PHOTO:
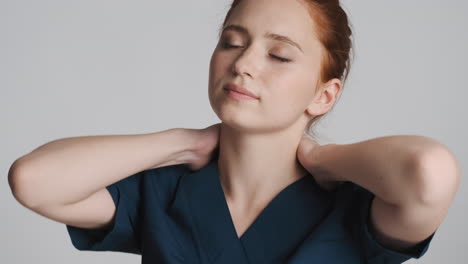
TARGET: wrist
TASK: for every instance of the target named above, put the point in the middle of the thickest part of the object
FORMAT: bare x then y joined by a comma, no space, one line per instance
176,143
187,144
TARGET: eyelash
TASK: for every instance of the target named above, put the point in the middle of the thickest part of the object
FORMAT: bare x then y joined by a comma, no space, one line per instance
229,46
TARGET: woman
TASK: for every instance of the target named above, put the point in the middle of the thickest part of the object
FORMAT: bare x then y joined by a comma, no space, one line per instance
255,188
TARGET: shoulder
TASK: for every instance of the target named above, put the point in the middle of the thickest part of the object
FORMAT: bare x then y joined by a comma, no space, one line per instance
166,176
164,181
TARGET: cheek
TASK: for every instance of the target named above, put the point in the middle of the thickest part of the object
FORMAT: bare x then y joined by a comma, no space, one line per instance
217,77
214,71
287,100
288,105
219,64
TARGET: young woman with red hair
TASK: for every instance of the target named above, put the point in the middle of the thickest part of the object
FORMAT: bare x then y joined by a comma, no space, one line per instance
254,188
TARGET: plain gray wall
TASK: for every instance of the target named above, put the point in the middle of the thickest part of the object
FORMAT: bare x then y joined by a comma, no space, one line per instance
78,68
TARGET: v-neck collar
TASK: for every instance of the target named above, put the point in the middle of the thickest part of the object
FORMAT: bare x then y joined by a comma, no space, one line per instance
277,230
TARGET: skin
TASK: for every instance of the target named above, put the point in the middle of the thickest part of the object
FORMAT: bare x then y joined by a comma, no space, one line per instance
414,178
257,133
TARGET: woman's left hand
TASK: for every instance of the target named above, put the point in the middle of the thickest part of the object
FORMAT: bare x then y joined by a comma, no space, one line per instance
308,152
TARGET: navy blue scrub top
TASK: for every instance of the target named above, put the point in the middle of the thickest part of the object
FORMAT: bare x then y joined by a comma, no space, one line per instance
174,215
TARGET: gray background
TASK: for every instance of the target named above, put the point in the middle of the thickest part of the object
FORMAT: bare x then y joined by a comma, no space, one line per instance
78,68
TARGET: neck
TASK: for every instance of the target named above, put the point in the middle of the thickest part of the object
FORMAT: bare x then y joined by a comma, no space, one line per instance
256,166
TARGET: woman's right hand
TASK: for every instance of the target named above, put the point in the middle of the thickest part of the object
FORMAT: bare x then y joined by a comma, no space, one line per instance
206,143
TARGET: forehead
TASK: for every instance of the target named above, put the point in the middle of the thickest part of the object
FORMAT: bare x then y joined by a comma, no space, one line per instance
284,17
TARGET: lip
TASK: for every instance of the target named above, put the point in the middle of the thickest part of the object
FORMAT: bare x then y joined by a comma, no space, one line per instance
240,89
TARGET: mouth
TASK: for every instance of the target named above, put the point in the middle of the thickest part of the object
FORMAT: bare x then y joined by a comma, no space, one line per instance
239,92
238,96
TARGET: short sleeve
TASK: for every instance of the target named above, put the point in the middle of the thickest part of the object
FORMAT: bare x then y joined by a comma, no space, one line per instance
376,253
122,235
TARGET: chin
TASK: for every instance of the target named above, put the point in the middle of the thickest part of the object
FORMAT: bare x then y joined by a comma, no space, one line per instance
241,122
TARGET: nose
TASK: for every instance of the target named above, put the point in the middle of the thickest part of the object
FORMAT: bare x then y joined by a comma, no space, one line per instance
245,63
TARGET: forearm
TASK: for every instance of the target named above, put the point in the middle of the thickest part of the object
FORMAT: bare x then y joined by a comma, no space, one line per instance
387,166
68,170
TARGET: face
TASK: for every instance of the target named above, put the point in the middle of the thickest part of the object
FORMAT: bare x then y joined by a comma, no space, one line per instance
270,48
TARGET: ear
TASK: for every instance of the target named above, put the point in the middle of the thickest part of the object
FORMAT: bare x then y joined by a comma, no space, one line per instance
325,97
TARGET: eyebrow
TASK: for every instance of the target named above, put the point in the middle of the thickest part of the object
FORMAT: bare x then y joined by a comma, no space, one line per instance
268,35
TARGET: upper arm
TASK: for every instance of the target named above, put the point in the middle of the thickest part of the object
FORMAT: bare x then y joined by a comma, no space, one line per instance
112,217
405,225
378,229
96,211
402,227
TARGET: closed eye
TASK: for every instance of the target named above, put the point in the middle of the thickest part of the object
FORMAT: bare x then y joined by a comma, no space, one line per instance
280,59
229,46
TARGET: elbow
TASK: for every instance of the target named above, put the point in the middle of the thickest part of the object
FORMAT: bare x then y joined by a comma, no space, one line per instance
439,175
20,186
